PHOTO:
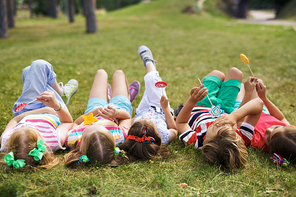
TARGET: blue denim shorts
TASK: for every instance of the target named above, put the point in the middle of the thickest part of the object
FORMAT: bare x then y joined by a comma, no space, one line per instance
119,102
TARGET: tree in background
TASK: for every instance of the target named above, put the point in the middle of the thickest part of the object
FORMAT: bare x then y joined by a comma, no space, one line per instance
52,8
115,4
242,11
3,19
10,8
71,10
279,5
89,11
30,4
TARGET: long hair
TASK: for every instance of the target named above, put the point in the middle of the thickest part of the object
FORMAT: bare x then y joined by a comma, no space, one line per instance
144,151
22,141
98,148
226,148
284,144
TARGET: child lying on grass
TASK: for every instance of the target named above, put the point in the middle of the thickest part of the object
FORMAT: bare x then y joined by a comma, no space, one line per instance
30,137
220,143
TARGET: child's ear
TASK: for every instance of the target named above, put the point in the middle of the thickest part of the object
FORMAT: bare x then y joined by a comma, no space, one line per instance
118,160
114,163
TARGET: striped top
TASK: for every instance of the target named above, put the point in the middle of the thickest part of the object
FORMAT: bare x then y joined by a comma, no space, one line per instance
45,124
200,120
119,132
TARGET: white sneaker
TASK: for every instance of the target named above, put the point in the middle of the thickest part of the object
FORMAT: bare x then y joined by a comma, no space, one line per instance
146,55
69,90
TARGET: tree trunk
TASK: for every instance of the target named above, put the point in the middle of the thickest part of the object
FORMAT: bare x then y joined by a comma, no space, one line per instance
31,8
52,8
15,8
71,10
279,5
82,6
3,19
118,4
10,13
91,23
242,9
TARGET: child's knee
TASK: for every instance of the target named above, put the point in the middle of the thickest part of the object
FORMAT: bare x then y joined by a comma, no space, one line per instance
235,73
218,74
118,73
39,63
101,72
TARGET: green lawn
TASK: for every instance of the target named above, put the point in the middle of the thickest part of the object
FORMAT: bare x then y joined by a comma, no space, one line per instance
186,47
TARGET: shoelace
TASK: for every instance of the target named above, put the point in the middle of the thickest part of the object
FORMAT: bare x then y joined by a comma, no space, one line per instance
65,92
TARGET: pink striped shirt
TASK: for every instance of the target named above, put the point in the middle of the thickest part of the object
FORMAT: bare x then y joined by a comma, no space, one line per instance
45,124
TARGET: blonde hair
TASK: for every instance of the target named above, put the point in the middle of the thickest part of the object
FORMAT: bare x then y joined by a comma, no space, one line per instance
144,151
98,148
226,148
22,141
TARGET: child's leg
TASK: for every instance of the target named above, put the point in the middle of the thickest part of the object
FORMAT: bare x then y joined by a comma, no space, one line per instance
213,83
119,84
37,78
119,95
98,95
57,88
99,87
152,94
230,89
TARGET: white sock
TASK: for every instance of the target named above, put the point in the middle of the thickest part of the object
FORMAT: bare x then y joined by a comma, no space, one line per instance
147,62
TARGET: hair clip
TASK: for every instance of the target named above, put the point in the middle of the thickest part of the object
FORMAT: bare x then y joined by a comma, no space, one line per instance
278,159
143,139
83,159
38,153
17,164
117,151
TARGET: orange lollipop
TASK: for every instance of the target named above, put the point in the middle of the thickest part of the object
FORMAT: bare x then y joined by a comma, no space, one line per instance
246,61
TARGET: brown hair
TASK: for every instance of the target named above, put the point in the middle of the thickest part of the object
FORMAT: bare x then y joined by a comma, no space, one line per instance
22,141
98,148
144,151
226,148
284,144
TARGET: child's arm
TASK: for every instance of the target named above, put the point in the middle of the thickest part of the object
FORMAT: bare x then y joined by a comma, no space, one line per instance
112,112
249,86
127,123
273,110
48,98
171,124
164,102
252,110
196,94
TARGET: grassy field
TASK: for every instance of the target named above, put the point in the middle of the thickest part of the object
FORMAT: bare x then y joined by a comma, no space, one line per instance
186,47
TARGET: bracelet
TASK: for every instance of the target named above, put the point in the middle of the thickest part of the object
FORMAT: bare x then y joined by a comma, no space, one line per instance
59,108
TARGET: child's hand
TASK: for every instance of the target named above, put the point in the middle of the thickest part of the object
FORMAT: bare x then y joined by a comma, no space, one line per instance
108,112
261,89
250,84
164,102
226,119
49,99
198,93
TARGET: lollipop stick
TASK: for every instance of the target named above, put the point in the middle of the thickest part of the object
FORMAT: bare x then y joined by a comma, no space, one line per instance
251,70
207,95
31,101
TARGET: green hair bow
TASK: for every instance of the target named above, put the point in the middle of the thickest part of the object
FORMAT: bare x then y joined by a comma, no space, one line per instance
38,153
9,160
